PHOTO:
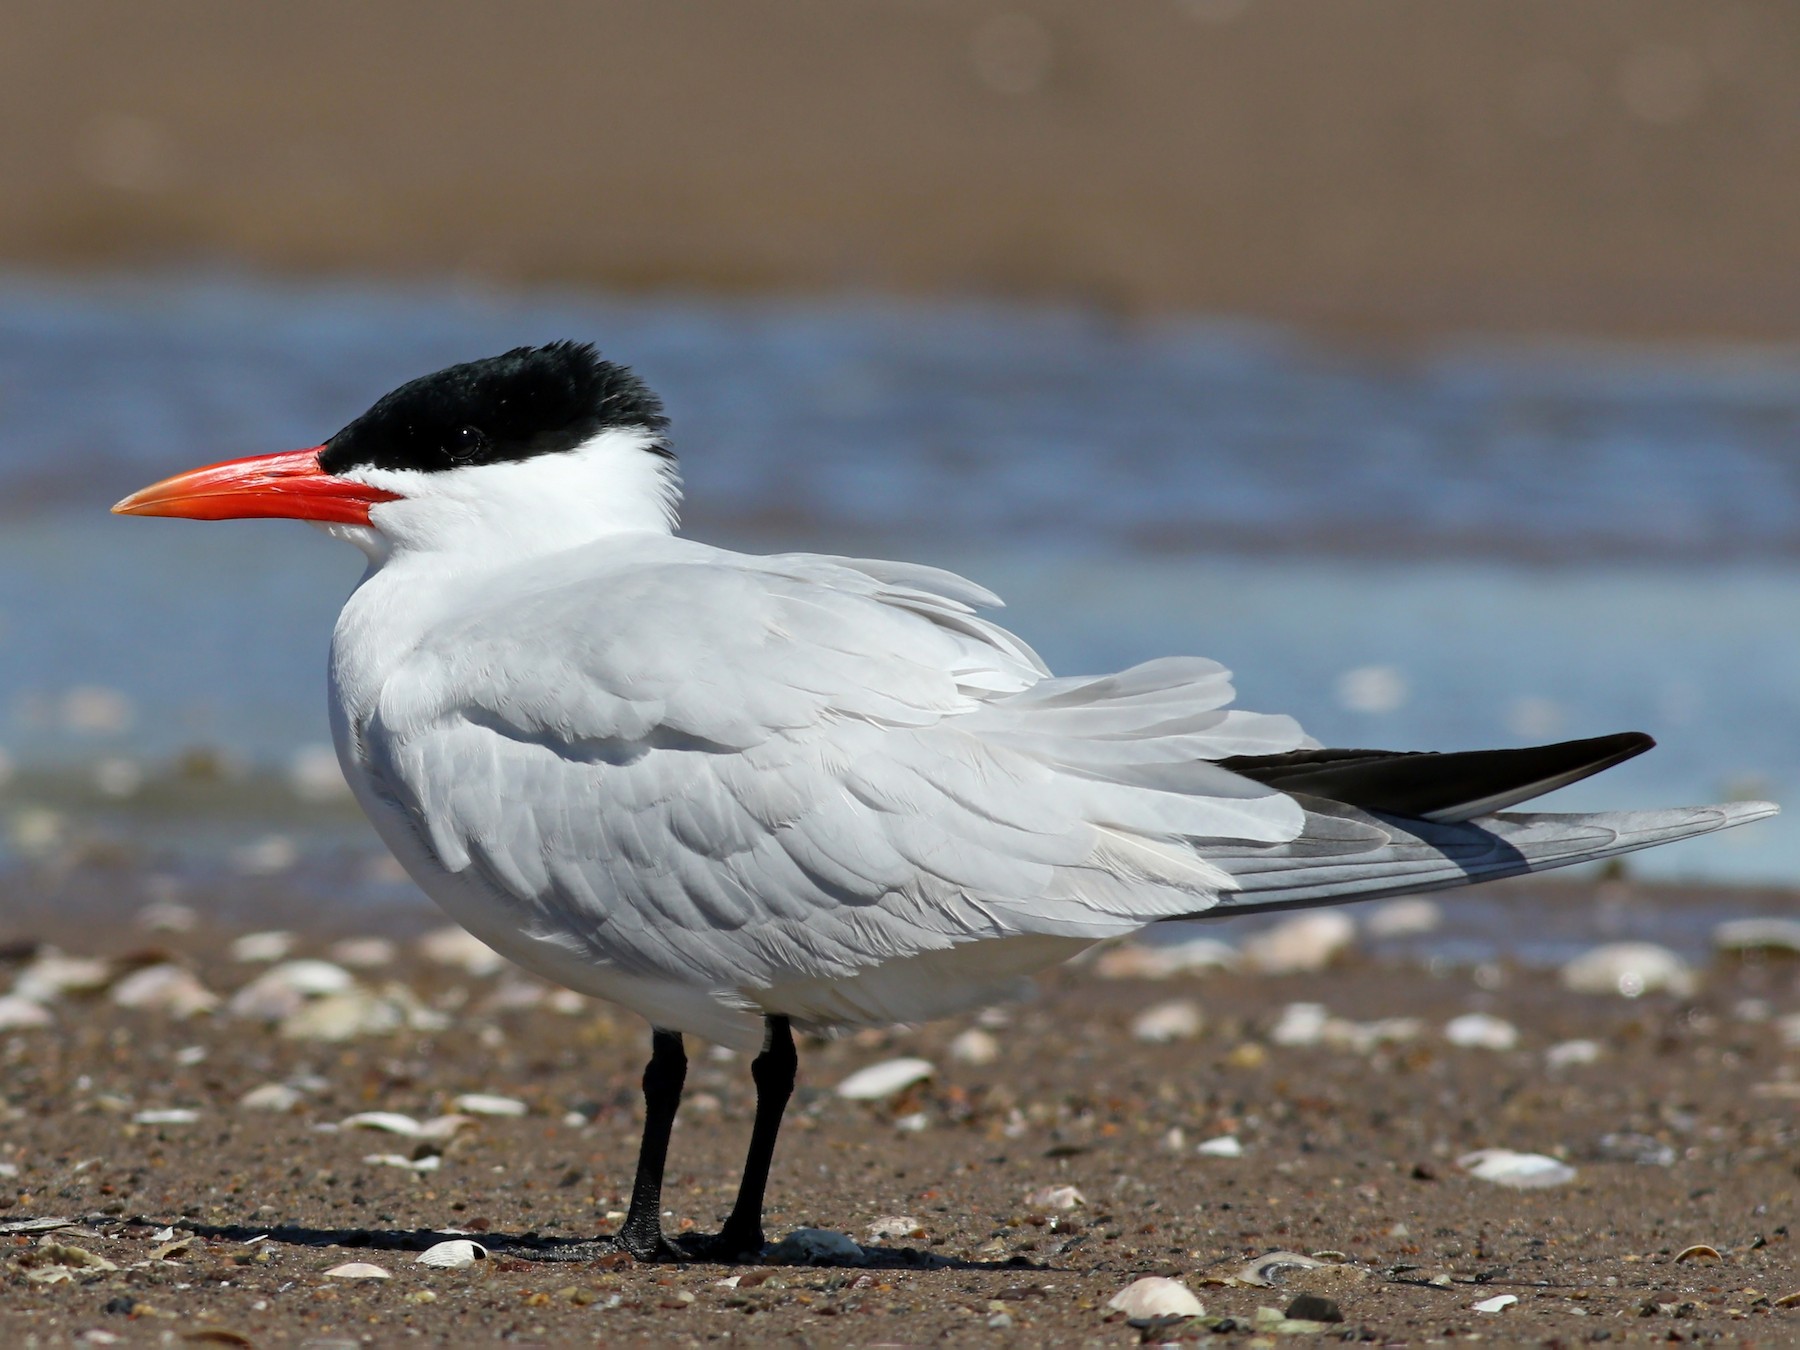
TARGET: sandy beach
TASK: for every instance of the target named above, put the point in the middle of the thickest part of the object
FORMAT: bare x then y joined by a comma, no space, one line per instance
200,1177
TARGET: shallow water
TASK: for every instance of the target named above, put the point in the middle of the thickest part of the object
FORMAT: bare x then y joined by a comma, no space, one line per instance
1481,544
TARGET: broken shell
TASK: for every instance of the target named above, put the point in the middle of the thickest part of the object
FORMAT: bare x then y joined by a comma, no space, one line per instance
485,1104
262,948
457,947
1300,1024
165,988
1272,1267
1055,1197
1155,1296
1628,969
1177,1020
1698,1252
884,1080
1300,945
1521,1171
1481,1031
896,1226
18,1014
439,1127
1495,1304
975,1046
815,1247
357,1270
175,1115
429,1163
50,1252
452,1255
1225,1146
270,1097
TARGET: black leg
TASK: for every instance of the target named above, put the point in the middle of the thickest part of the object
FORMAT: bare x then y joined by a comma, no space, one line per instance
773,1072
641,1234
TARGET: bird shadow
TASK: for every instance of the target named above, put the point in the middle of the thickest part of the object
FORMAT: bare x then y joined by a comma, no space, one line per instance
570,1250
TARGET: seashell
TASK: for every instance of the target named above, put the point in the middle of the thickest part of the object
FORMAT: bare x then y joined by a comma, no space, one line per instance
1363,1037
165,988
439,1127
1498,1303
262,948
1521,1171
458,947
357,1270
1155,1296
1272,1267
484,1104
1700,1251
1225,1146
429,1163
364,953
270,1097
53,975
884,1080
815,1247
1564,1054
281,991
1629,969
174,1115
975,1046
1302,944
19,1014
1176,1020
1300,1024
1780,936
452,1255
1404,918
1054,1197
1481,1031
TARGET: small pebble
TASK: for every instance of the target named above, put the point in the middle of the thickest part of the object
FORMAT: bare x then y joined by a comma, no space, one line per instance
52,975
1629,969
452,1255
357,1270
1300,1024
1521,1171
1225,1146
1176,1020
1054,1198
174,1115
893,1226
364,953
975,1046
1301,945
1642,1149
1156,1296
885,1079
20,1014
1314,1308
1481,1031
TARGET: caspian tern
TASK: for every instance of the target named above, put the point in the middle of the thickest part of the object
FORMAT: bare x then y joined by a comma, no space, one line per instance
740,795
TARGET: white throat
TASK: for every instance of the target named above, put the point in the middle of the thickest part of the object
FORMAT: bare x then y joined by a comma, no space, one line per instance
615,483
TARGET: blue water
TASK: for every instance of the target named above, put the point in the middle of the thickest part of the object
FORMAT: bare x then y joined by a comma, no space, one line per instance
1479,543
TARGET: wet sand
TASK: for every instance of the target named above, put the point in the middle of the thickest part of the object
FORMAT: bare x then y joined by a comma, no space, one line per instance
1682,1132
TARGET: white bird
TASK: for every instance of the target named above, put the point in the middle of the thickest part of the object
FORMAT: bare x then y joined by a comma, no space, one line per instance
742,794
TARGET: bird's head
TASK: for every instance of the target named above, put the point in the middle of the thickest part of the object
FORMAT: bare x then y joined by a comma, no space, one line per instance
538,447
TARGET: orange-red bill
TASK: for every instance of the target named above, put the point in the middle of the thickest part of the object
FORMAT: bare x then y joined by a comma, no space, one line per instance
289,485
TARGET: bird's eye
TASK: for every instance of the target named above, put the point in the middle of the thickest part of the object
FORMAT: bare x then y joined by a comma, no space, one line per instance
465,444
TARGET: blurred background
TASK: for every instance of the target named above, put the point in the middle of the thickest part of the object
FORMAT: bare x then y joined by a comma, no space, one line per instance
1437,367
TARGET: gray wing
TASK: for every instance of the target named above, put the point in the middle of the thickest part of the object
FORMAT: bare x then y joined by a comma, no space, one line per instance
741,772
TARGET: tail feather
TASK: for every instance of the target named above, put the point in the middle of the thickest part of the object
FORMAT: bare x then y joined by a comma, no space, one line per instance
1349,854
